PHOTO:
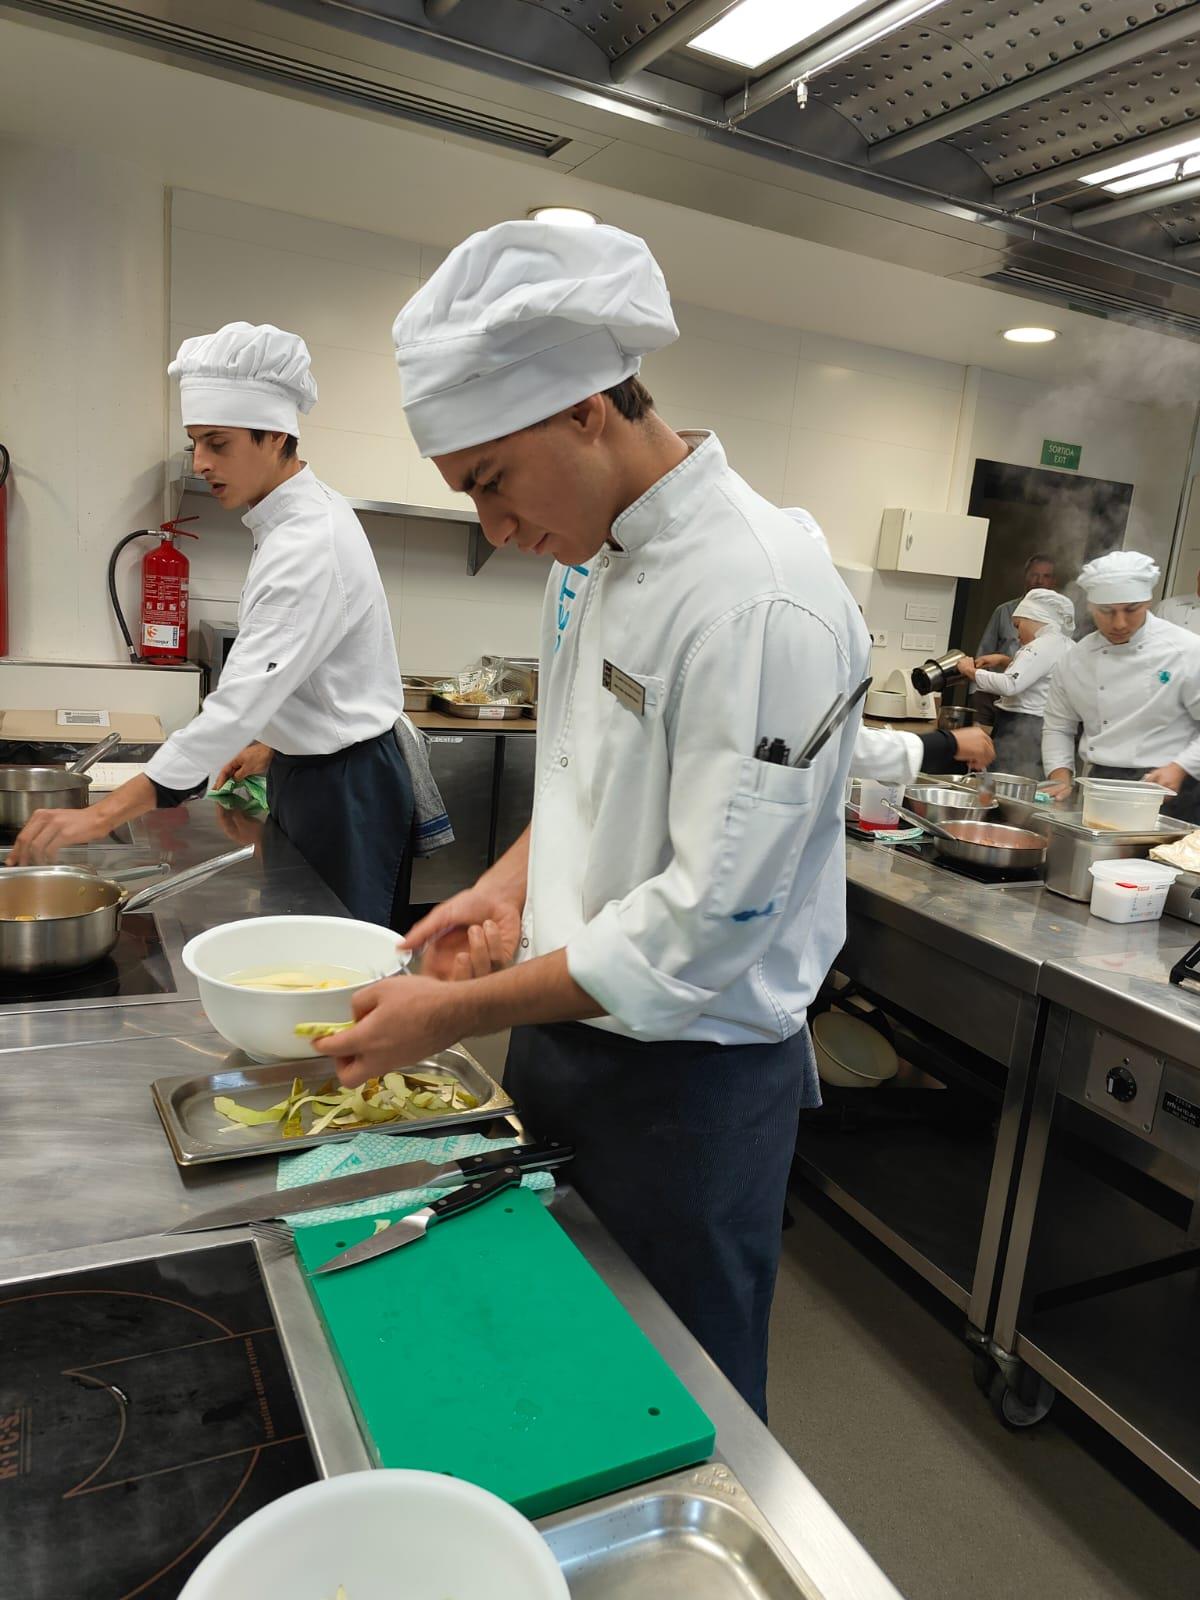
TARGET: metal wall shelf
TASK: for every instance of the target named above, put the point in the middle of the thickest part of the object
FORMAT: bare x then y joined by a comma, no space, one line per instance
478,549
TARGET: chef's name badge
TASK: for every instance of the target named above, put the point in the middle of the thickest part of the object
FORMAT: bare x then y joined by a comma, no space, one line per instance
628,691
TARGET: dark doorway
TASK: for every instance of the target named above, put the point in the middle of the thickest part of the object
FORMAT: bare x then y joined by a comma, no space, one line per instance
1034,512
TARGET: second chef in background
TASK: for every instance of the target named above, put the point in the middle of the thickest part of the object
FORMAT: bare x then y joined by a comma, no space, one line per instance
1044,622
312,685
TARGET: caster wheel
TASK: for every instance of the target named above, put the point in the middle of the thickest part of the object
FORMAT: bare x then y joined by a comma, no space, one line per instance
983,1369
1013,1409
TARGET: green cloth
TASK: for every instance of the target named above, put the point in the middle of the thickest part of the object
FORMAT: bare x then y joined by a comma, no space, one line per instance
250,794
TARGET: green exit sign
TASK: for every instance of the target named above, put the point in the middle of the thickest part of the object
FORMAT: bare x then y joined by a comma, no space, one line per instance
1057,454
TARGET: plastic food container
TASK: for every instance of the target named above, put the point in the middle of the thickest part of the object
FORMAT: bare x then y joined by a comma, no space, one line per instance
875,801
1130,891
1121,804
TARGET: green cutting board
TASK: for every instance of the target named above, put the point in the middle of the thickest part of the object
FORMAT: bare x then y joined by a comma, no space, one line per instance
491,1351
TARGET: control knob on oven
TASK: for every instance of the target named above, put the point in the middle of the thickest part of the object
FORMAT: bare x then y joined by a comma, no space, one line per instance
1121,1084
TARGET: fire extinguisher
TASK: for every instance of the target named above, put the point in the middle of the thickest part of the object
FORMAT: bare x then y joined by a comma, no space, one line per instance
5,462
163,612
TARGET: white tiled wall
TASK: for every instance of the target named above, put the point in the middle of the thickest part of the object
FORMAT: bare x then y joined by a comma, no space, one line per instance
840,428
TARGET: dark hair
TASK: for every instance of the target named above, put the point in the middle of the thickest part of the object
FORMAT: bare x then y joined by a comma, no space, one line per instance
1039,560
288,449
632,399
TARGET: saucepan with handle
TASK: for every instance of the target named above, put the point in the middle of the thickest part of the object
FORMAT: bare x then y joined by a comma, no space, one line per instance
55,919
24,790
982,844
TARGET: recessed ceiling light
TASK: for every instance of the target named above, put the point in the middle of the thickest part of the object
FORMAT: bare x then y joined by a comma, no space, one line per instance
564,216
1030,335
1176,152
1143,180
757,30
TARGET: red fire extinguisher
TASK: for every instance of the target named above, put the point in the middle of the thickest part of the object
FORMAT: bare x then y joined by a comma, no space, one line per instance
4,465
165,570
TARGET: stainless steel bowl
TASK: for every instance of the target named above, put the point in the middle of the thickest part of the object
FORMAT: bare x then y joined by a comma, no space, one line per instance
934,804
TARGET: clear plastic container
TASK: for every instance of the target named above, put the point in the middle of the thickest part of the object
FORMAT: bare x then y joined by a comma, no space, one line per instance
1131,890
875,801
1120,804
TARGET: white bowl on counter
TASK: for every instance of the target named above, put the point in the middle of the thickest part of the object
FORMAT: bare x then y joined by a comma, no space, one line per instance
262,1022
378,1535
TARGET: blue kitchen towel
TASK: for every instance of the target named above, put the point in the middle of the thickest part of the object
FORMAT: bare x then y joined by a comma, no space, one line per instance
376,1150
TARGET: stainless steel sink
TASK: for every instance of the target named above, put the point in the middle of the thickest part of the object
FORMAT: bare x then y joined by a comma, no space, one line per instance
696,1534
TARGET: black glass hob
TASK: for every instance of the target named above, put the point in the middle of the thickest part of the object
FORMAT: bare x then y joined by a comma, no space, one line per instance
990,877
145,1409
137,966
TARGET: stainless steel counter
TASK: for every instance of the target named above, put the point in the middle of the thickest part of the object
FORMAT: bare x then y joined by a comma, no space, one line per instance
91,1181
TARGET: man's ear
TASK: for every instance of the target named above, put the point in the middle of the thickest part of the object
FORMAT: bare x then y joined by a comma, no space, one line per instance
590,416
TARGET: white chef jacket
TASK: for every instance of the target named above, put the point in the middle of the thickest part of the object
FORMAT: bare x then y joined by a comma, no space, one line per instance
887,755
313,668
1183,610
699,892
1025,685
1138,703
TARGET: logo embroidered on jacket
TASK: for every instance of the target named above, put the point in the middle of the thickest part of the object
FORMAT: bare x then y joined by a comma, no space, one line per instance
1164,676
749,916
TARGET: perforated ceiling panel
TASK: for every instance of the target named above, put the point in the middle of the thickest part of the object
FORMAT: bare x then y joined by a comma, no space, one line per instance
962,50
612,24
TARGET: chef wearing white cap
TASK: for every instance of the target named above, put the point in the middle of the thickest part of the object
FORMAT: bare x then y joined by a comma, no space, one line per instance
679,898
1132,687
311,690
1044,622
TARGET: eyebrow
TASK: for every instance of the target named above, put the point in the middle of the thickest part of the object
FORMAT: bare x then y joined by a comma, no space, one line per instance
481,470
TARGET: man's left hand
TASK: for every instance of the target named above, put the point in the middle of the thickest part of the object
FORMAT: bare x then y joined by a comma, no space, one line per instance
399,1022
1172,776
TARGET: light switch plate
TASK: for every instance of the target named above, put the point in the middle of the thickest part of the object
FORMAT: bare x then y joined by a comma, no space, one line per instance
919,641
916,611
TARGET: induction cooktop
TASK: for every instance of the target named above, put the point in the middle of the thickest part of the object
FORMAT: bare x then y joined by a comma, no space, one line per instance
136,967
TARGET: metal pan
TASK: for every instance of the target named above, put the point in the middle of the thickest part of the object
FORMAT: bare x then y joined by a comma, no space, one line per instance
470,711
24,790
983,844
55,919
933,803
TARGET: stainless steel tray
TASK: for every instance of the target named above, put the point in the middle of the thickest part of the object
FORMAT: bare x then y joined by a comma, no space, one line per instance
197,1133
696,1535
479,713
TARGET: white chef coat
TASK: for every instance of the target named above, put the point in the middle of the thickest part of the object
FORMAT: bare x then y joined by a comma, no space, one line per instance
699,892
887,755
1183,610
313,668
1025,684
1138,703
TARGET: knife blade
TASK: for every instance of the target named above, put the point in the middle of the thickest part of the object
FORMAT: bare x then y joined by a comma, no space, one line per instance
413,1227
268,1203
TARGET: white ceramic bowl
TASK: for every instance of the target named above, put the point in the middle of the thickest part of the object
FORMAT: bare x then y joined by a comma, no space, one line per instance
262,1022
381,1534
850,1053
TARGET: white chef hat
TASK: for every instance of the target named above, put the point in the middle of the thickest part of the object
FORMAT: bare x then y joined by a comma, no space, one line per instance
806,520
1049,607
244,377
522,321
1123,577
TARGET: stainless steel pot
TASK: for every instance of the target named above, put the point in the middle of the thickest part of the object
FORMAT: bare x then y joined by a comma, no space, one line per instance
54,919
24,790
982,844
947,804
950,718
938,673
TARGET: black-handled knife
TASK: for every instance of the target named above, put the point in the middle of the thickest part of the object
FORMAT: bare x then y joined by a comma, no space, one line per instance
413,1227
374,1181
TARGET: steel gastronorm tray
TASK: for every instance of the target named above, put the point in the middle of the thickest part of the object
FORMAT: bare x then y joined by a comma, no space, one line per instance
697,1535
198,1133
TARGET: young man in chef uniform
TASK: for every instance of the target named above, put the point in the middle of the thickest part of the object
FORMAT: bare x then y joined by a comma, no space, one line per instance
313,672
1133,687
677,900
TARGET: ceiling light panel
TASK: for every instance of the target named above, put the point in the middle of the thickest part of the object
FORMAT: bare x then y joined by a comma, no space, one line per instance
759,30
1142,164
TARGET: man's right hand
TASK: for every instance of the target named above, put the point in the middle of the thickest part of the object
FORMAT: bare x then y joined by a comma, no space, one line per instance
468,936
252,760
1059,784
974,746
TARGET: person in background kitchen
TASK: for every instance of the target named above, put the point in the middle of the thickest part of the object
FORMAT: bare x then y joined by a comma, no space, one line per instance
1045,624
311,691
999,637
681,892
1132,687
889,754
1183,609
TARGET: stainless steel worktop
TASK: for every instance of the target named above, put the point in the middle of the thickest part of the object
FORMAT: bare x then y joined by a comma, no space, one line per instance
86,1177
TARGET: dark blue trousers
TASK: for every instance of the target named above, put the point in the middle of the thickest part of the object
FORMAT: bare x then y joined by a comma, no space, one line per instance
682,1151
350,816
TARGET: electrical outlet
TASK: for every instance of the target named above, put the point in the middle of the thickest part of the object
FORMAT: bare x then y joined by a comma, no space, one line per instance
915,611
919,641
879,638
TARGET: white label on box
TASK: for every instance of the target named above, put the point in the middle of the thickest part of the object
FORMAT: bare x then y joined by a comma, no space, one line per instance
165,635
82,719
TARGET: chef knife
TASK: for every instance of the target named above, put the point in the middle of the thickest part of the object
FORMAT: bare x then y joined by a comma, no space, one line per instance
412,1227
374,1181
